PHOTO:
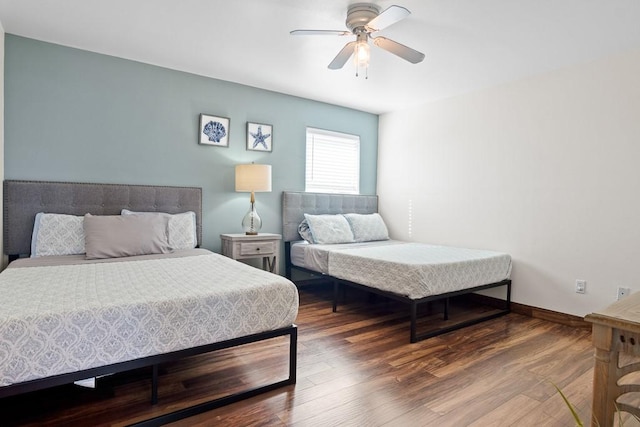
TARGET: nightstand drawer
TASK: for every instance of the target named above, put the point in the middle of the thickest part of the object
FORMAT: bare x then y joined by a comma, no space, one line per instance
257,248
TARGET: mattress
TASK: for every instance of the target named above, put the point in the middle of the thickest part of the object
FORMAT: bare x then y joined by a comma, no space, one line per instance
316,257
413,270
75,315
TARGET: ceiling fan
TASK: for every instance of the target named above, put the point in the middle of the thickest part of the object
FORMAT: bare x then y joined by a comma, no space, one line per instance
364,19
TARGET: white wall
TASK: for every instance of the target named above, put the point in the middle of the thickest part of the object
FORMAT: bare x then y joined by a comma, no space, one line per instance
545,169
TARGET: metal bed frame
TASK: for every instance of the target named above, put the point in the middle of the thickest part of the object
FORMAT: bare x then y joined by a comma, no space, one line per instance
23,199
296,204
155,361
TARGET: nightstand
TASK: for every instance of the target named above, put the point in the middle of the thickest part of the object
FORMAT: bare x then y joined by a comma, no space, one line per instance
263,245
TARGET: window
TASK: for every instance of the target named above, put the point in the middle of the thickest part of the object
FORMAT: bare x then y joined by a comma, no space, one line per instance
333,162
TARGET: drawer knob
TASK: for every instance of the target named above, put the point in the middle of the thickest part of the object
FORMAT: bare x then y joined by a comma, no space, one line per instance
258,249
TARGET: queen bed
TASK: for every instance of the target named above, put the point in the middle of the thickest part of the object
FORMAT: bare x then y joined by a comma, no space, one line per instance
341,237
137,301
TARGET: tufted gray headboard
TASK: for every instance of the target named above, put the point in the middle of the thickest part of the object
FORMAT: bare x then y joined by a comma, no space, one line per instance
24,199
296,204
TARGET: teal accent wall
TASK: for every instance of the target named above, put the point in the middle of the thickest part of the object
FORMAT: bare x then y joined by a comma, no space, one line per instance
73,115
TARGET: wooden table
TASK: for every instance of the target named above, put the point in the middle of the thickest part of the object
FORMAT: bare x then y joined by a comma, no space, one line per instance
616,332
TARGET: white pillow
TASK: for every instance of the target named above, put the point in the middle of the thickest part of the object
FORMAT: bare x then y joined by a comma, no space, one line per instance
367,227
57,234
182,228
329,229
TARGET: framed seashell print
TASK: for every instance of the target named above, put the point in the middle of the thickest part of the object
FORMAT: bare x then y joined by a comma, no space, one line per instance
214,130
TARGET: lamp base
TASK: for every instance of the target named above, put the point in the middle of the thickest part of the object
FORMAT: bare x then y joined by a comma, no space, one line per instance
251,223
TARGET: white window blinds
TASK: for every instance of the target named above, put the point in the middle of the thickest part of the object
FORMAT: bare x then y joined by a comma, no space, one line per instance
333,162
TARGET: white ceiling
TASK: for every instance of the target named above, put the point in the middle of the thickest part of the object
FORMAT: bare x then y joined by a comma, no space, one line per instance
469,44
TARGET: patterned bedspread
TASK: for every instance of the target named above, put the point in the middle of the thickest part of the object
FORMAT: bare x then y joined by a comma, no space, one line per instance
65,318
418,270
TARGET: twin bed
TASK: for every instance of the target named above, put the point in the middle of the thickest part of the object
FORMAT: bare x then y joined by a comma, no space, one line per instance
360,254
65,318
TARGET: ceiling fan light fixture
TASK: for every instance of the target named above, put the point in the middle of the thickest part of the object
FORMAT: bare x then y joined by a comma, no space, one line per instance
362,53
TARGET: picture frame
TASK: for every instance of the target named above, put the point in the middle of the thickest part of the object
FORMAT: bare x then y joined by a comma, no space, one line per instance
259,137
214,130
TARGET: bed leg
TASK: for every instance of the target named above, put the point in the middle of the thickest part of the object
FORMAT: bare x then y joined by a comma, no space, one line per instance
293,353
336,291
508,301
154,385
414,319
287,260
446,308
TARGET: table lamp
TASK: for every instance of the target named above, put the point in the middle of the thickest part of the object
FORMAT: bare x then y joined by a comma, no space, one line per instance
253,178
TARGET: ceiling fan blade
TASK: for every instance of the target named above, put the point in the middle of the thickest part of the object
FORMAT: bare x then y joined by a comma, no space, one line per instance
319,33
388,17
398,49
343,56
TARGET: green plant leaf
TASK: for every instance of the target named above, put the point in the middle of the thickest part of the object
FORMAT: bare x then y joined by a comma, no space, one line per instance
570,406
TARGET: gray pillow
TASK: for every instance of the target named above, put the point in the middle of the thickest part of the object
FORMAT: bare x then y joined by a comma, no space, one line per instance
114,236
305,231
182,228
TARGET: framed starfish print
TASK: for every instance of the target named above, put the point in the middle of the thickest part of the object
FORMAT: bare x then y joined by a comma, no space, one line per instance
259,137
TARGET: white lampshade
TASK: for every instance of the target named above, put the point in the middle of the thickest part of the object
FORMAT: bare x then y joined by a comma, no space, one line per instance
253,178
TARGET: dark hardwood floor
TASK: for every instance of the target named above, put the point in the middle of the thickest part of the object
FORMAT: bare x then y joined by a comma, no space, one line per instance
357,368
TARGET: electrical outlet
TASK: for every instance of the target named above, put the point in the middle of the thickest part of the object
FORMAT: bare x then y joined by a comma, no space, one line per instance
623,292
581,286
